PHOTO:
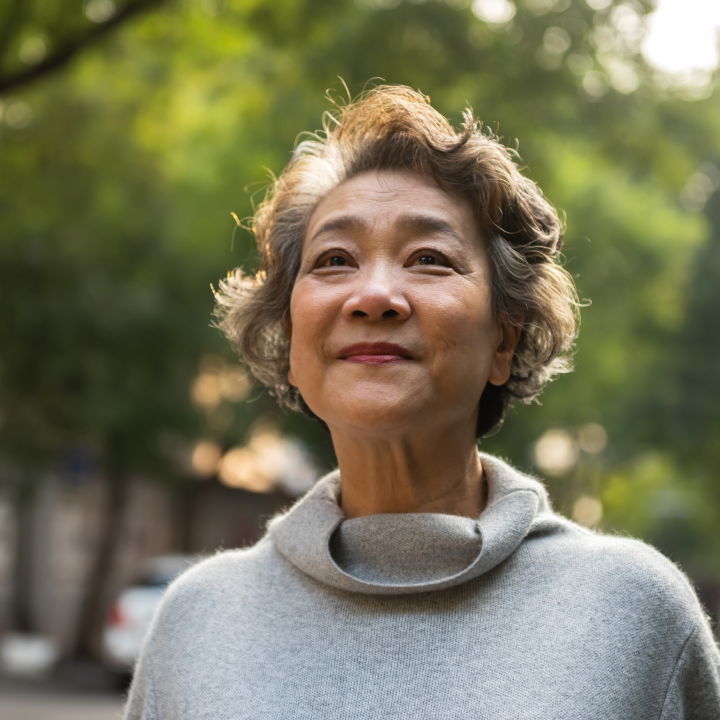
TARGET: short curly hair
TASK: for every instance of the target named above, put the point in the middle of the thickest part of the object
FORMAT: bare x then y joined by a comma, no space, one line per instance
394,127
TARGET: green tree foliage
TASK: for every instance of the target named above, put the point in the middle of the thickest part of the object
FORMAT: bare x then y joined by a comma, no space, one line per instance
118,177
38,37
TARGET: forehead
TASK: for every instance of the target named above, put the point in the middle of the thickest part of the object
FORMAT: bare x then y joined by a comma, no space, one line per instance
390,197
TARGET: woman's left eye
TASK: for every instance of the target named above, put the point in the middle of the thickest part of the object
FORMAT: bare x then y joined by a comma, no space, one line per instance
430,259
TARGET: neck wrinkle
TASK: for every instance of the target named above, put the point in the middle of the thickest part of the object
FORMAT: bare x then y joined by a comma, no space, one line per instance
409,552
414,487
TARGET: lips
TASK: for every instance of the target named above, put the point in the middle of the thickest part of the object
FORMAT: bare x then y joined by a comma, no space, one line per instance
377,353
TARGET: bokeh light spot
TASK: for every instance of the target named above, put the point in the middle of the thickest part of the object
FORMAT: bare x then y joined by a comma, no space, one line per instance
556,40
206,458
598,4
592,438
595,84
579,63
205,390
587,511
18,115
242,468
495,12
99,11
556,452
682,36
540,7
33,51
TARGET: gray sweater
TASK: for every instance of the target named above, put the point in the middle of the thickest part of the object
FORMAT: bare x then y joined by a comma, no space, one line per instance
520,614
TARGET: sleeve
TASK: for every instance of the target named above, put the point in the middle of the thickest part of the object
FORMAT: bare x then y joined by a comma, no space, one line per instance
694,691
141,703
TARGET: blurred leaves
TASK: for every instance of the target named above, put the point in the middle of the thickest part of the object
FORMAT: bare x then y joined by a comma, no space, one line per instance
38,37
118,177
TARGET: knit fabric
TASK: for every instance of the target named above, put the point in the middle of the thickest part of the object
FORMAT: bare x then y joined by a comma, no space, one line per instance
518,615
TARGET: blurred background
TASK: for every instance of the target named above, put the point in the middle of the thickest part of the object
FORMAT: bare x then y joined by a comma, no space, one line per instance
132,441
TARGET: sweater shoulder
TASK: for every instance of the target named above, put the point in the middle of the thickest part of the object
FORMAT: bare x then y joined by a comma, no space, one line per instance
221,579
626,568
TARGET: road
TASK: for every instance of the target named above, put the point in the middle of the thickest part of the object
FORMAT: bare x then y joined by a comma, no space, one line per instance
24,705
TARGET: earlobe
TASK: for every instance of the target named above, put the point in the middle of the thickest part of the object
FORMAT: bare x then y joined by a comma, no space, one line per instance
502,362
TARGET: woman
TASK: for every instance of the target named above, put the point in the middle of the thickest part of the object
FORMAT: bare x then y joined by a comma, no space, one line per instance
410,290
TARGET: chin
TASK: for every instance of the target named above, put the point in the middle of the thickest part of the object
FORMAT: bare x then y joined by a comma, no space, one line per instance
378,412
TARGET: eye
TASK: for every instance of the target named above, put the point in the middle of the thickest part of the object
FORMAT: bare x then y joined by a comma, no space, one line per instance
333,259
430,258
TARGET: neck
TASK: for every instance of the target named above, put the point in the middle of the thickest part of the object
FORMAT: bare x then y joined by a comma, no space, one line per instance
440,473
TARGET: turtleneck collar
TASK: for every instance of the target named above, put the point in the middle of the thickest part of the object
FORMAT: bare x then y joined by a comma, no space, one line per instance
408,552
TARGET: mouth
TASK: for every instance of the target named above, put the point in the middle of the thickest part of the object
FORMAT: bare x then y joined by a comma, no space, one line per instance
377,353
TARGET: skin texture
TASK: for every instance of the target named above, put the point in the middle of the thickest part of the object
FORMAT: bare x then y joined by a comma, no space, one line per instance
389,257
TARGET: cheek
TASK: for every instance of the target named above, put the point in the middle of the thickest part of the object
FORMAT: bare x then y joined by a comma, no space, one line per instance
311,320
301,329
466,338
461,318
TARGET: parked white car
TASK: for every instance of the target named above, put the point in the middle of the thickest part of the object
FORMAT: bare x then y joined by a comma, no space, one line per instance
130,615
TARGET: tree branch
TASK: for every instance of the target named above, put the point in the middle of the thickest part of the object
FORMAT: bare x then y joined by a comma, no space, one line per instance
68,50
12,22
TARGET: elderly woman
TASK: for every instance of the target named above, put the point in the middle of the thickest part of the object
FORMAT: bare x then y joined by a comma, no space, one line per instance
410,290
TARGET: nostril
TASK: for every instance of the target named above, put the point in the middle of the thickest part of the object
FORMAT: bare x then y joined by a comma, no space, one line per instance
390,313
359,313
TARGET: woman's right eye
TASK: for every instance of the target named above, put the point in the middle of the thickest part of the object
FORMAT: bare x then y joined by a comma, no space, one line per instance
332,259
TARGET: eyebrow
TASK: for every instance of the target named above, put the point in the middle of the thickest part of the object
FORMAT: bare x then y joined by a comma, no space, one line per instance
422,224
429,225
346,222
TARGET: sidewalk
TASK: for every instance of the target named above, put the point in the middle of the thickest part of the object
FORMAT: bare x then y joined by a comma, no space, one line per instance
57,699
18,705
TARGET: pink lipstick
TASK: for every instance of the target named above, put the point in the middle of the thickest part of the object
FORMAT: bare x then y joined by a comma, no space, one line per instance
377,353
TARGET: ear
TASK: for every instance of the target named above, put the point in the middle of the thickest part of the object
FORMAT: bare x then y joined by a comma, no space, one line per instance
287,324
502,362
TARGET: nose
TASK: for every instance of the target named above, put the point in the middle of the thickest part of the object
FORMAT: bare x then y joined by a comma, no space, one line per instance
377,298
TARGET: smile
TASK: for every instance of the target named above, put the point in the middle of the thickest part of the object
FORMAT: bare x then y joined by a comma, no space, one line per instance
379,353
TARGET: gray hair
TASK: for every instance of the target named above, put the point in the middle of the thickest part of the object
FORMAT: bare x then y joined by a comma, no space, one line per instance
394,127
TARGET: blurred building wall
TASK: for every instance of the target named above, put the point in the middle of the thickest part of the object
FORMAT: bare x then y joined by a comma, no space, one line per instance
65,526
66,523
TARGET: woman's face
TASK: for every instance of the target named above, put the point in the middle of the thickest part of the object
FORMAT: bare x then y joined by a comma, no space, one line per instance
391,325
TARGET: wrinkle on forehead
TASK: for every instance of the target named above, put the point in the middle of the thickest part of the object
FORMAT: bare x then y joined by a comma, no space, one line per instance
448,216
420,224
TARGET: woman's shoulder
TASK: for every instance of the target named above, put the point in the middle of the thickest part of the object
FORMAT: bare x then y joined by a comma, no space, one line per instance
601,563
630,570
226,576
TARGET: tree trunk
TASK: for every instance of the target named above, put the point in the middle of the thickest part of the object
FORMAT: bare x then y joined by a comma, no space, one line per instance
92,613
21,616
186,500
